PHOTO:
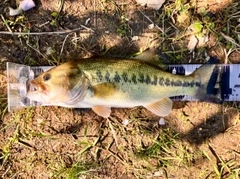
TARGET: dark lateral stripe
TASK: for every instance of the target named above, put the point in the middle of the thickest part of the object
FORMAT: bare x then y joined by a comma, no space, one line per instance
99,75
161,81
125,77
198,84
134,78
146,79
107,77
188,84
167,82
177,83
141,78
154,82
116,77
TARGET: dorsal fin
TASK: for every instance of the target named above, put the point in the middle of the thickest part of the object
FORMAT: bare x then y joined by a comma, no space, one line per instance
152,56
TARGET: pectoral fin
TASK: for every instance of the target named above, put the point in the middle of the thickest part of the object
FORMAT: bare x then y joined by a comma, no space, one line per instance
105,90
103,111
160,108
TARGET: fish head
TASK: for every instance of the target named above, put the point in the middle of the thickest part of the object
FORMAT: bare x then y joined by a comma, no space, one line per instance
59,85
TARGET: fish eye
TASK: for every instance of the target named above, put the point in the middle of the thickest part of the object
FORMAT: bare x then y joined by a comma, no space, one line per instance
46,77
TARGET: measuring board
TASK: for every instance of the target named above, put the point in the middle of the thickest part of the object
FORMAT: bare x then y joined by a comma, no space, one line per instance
18,76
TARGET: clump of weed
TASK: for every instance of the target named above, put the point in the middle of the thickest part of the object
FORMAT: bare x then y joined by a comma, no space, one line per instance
123,27
223,169
76,170
179,12
160,147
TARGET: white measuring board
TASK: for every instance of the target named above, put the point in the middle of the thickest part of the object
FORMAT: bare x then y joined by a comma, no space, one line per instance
18,76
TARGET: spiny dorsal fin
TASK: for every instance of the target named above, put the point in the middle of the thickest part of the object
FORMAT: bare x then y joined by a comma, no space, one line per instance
160,108
151,55
103,111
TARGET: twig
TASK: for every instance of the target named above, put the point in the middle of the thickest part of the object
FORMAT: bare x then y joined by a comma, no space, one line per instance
27,42
83,26
115,155
227,54
6,23
46,33
95,15
150,20
113,131
6,171
230,39
238,153
223,121
60,6
64,43
44,24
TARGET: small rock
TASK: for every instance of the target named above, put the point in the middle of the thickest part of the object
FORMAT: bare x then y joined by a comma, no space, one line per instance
125,122
174,71
151,26
23,6
162,122
87,21
26,4
192,43
155,4
134,38
158,173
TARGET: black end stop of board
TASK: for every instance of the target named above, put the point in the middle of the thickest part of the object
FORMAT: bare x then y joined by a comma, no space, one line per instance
214,87
213,60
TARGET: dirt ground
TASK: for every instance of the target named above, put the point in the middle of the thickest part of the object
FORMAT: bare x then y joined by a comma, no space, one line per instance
199,140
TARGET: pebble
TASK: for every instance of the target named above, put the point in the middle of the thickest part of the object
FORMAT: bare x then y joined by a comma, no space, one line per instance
162,122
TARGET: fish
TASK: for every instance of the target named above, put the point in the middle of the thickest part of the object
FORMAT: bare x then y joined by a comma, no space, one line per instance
102,83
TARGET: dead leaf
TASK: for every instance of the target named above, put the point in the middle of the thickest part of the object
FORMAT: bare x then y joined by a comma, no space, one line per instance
198,40
155,4
26,4
202,40
192,43
23,6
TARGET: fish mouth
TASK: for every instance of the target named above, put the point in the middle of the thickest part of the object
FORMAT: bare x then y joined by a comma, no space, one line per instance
35,92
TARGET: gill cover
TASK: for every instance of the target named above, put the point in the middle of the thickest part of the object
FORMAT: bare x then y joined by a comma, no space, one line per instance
79,90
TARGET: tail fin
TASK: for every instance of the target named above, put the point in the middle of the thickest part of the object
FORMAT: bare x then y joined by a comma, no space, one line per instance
209,76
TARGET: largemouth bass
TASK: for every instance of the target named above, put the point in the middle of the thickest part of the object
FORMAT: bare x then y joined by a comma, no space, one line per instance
102,83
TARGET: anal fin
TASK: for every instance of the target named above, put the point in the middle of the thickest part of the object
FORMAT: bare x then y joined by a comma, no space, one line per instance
103,111
160,108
